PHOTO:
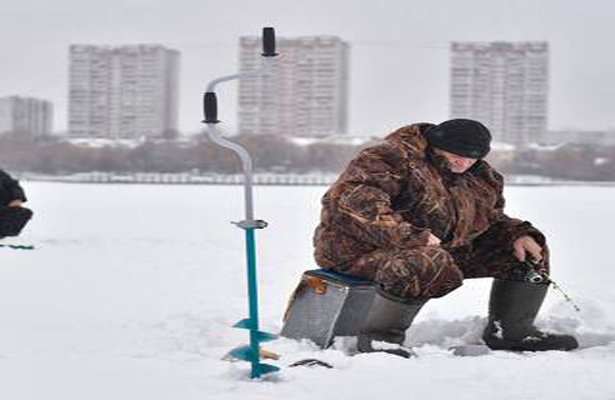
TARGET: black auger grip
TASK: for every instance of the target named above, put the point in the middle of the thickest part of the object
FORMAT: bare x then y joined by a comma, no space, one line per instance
269,43
210,108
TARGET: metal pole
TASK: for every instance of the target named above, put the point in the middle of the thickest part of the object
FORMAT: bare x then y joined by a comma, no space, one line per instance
252,352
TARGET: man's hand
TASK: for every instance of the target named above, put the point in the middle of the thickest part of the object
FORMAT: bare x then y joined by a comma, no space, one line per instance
15,203
527,244
433,240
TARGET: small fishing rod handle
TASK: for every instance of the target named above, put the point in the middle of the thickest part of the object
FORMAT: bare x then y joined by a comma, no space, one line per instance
533,275
269,42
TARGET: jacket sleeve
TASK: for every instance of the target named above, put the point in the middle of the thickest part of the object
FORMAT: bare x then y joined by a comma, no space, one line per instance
511,228
11,187
361,200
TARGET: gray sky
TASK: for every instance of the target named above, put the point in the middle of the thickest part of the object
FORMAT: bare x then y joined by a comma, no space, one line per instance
399,49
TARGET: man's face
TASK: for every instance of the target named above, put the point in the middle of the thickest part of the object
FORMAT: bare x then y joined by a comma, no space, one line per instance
457,164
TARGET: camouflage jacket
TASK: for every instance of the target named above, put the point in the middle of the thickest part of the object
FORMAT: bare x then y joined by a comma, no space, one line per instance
394,193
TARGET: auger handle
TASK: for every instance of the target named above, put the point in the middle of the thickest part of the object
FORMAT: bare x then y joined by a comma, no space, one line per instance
269,43
210,108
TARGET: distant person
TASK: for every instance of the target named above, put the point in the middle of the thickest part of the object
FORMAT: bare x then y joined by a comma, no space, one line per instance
13,216
419,212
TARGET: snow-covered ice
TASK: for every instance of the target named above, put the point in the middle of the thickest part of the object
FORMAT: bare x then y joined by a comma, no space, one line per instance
132,290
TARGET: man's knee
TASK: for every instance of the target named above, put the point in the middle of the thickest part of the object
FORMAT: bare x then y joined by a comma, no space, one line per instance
422,272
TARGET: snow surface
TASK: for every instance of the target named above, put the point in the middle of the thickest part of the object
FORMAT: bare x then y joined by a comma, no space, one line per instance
132,290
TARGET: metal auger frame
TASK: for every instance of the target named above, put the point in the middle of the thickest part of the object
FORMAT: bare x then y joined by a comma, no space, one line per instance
250,353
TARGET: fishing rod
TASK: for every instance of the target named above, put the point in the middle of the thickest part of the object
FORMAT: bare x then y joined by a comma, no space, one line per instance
536,276
17,246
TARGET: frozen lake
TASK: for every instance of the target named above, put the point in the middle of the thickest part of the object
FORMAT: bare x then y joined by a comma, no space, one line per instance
132,289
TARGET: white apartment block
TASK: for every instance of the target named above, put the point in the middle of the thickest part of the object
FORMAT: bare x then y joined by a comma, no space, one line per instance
25,116
126,91
305,93
505,85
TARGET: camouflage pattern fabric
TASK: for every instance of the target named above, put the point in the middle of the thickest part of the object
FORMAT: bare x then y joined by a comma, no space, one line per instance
376,219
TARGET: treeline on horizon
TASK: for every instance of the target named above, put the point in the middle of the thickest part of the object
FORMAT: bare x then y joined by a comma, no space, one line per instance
56,156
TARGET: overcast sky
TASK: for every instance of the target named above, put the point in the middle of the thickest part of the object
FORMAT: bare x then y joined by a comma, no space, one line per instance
399,49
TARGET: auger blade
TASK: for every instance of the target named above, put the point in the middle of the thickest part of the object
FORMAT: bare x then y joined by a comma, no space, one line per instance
262,369
265,336
244,324
261,336
244,353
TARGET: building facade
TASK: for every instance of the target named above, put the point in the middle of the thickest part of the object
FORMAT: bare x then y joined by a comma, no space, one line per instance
25,116
123,91
505,85
305,93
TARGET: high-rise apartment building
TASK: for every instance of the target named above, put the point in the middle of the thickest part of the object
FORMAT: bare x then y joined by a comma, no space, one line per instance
25,116
304,94
123,91
505,85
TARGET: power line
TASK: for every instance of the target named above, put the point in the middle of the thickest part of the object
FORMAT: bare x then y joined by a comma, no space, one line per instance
405,45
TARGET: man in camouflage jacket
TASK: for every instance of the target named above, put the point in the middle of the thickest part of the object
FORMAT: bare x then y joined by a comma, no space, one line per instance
420,211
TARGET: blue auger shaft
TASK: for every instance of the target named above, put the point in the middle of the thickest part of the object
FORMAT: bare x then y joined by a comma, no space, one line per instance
253,300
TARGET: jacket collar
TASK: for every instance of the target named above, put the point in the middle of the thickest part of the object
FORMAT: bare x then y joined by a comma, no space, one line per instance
412,139
442,165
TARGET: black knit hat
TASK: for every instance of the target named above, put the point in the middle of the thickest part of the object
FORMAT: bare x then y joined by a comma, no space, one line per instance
464,137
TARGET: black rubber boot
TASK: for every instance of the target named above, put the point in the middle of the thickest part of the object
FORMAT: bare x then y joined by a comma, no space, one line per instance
386,323
513,307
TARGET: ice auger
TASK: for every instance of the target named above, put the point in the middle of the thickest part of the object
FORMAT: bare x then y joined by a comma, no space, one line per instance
250,353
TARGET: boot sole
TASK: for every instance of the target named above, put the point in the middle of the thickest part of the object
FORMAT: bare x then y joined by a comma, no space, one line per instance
512,345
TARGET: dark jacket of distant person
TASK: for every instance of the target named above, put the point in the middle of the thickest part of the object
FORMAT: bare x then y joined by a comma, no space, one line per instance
13,217
10,189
